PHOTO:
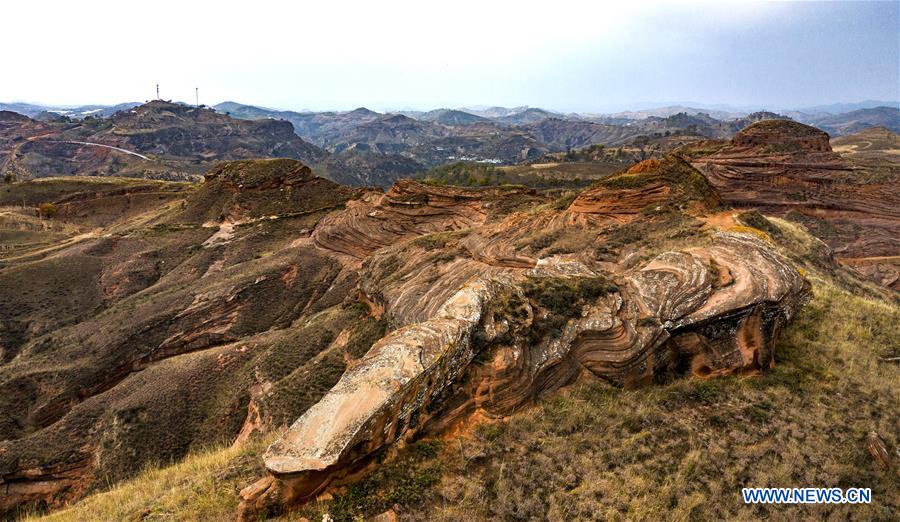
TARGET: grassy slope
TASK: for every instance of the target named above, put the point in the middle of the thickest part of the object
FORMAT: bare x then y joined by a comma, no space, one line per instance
678,451
203,486
34,192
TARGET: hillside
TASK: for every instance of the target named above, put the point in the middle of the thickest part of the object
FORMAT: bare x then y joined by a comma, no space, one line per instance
495,135
155,293
677,450
858,120
461,262
158,140
874,143
76,112
218,313
635,311
789,169
452,117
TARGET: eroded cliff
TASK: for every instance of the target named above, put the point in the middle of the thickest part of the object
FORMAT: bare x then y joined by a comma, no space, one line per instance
788,169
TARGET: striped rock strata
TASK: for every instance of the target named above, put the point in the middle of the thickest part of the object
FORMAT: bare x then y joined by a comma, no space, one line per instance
709,310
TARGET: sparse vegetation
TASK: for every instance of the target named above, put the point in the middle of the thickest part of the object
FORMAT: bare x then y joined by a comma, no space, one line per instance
756,220
46,210
547,175
782,148
563,298
203,486
463,174
681,450
439,240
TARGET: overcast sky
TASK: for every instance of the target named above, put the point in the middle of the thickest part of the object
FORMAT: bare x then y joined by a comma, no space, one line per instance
562,55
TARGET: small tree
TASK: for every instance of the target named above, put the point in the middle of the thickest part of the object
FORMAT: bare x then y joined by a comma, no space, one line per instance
9,177
47,210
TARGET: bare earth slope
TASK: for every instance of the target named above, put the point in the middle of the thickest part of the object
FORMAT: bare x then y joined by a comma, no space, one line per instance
136,338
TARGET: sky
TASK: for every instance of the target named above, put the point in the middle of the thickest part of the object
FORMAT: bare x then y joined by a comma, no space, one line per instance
562,55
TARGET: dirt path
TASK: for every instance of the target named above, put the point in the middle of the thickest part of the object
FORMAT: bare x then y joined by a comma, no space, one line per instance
107,147
126,151
50,249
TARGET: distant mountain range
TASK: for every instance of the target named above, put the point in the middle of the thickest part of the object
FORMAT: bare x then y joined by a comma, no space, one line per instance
719,111
840,108
362,146
857,120
80,111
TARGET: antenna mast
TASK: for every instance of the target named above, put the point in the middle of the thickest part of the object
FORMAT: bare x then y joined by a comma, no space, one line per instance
197,95
157,91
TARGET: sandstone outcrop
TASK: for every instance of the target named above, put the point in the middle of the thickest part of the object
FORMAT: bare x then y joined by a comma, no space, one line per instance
789,170
646,187
408,209
485,338
268,297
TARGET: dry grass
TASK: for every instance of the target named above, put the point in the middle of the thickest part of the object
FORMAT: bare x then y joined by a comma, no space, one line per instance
682,451
203,486
740,229
678,451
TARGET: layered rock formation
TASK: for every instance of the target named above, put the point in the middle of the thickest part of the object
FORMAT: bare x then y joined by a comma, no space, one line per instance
267,296
788,169
486,336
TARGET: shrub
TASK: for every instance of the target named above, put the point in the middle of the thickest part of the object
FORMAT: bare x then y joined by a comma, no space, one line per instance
47,210
756,220
563,298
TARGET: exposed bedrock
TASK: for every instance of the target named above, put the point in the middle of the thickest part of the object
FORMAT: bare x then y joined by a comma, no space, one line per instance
267,297
407,210
705,311
789,170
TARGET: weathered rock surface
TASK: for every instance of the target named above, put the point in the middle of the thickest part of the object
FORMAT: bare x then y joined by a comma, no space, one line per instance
788,169
269,297
711,306
408,209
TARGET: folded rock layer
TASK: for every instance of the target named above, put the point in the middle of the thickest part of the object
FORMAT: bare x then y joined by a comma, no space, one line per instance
472,333
788,169
158,318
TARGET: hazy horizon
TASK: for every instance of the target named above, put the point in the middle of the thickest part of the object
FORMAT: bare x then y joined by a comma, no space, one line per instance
566,57
636,107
